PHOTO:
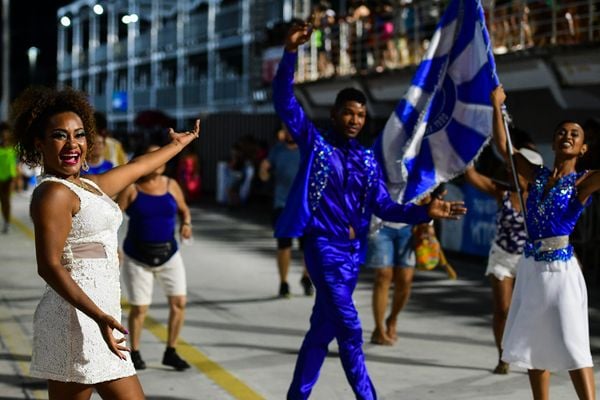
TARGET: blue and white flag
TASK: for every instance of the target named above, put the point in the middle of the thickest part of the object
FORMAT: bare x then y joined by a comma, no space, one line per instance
445,118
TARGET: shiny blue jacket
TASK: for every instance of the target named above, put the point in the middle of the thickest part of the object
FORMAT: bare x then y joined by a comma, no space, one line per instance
339,183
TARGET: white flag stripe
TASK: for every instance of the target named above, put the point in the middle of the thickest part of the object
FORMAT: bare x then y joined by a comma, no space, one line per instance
471,59
416,97
446,160
414,146
441,42
473,115
393,145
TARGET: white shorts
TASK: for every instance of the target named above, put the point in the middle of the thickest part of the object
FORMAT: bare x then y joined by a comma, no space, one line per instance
139,279
501,263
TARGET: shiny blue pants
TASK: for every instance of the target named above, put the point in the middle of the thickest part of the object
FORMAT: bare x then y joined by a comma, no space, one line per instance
333,268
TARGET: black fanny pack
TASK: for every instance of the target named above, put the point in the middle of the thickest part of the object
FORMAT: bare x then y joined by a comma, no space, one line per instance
154,254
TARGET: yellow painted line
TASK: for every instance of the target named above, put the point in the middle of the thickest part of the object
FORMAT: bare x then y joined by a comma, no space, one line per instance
22,227
227,381
13,336
15,341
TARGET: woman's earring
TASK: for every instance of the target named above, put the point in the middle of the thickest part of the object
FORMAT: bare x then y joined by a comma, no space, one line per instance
85,167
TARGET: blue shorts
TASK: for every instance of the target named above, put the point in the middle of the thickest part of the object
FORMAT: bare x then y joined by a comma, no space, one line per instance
391,247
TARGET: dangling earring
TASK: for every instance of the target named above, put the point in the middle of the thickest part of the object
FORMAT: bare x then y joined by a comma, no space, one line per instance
85,167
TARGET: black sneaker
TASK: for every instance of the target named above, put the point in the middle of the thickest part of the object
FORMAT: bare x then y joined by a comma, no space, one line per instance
307,286
136,358
172,359
284,290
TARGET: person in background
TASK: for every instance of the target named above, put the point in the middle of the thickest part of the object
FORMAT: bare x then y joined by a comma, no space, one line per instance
507,247
282,164
97,164
113,149
547,325
76,225
390,255
151,251
8,173
188,175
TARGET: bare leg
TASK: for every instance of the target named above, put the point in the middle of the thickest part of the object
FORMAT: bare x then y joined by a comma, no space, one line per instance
381,288
68,390
539,379
137,315
583,381
283,263
501,297
128,388
446,266
5,188
176,317
403,278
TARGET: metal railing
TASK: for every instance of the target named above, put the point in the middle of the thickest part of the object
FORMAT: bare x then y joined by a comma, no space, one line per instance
400,37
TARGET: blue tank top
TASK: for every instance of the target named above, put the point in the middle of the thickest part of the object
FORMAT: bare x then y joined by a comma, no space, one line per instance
152,219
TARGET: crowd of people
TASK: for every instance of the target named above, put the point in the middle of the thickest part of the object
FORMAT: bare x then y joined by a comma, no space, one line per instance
375,35
330,193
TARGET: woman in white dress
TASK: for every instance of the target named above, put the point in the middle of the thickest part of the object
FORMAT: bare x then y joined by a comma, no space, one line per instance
547,326
79,342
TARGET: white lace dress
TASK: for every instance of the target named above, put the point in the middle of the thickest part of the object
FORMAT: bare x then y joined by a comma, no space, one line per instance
67,344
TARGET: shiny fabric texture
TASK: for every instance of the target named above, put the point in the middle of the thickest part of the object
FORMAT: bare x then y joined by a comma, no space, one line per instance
333,267
339,185
552,213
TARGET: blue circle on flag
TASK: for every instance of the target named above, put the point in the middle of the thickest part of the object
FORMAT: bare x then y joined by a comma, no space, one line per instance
442,107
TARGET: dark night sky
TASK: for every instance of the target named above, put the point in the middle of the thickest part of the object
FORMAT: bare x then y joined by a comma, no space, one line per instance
33,23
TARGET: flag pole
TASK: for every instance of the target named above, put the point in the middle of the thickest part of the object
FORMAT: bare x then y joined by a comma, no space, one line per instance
513,168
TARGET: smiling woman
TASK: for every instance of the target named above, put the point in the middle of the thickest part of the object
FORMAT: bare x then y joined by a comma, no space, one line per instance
78,340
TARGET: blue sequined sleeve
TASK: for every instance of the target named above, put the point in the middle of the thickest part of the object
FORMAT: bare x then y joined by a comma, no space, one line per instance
388,210
287,106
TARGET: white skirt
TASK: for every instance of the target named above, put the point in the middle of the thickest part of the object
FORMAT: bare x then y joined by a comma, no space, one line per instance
547,326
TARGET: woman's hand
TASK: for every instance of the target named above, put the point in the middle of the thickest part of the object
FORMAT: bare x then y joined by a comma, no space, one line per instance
439,208
498,97
107,324
186,231
185,138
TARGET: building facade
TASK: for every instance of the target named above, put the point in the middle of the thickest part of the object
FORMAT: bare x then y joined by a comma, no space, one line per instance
183,57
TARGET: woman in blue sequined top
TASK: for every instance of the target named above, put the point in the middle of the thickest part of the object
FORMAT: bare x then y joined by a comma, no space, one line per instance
547,327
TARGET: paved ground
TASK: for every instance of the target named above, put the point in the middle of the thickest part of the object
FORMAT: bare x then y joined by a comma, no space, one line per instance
242,340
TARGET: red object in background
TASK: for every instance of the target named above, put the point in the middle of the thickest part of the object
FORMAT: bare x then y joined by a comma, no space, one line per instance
188,177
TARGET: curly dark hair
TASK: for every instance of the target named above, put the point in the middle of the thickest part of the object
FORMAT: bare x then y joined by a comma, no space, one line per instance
31,111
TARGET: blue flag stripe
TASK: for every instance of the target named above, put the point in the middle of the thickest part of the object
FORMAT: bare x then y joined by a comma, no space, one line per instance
478,89
408,115
428,73
422,171
466,141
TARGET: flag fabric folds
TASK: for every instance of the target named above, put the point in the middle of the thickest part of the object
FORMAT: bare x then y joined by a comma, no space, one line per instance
445,118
